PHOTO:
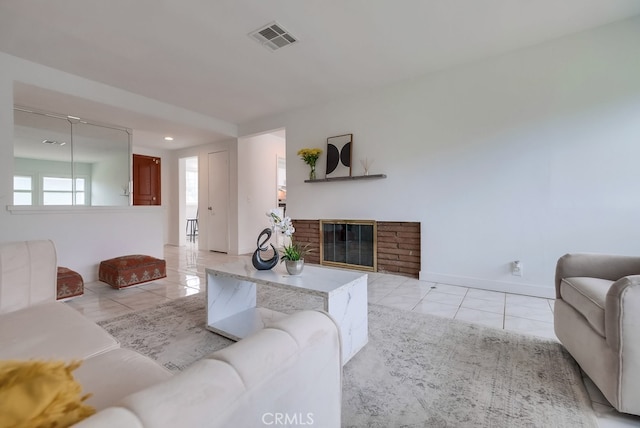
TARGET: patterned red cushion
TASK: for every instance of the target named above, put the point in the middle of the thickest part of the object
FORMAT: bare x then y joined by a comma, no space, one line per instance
70,283
130,270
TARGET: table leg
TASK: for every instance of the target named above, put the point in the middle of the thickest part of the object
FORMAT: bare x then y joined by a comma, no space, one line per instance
349,310
231,308
228,296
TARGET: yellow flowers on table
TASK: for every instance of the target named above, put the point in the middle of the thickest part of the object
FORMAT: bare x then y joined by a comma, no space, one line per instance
310,157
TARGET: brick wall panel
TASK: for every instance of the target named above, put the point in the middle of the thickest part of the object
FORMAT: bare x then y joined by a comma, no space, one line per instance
398,245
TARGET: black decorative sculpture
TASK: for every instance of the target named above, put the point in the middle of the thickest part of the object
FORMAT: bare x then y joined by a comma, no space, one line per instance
257,261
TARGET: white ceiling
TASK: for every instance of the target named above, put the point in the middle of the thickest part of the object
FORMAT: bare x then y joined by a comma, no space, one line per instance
196,54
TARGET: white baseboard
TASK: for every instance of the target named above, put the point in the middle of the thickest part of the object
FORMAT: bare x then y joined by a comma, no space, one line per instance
547,292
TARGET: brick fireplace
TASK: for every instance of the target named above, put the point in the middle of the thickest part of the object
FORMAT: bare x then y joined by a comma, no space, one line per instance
397,245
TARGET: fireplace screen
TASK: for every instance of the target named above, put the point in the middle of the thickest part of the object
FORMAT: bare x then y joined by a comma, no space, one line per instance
348,244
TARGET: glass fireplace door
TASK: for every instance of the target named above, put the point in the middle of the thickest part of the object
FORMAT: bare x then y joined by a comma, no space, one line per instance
348,243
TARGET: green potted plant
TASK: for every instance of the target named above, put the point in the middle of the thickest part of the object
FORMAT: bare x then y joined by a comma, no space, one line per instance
293,257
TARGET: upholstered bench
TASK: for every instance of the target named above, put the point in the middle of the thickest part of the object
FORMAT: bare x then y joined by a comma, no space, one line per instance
125,271
69,284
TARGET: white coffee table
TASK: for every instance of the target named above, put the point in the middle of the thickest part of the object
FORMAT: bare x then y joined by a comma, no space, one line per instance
231,299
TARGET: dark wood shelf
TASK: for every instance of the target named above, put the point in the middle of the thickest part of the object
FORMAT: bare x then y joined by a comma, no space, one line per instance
353,177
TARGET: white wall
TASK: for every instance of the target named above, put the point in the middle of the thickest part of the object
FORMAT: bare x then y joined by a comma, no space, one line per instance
85,236
522,157
257,186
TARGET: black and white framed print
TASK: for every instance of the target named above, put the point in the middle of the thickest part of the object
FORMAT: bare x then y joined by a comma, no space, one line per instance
339,155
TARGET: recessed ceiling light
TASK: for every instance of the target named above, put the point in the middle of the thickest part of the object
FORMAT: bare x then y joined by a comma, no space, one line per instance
168,138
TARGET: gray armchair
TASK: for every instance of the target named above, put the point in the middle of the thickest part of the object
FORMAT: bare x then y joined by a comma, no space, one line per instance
597,319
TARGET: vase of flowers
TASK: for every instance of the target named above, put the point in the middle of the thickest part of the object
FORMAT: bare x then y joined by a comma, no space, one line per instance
292,254
310,157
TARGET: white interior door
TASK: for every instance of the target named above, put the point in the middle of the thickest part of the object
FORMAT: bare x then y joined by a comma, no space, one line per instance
218,206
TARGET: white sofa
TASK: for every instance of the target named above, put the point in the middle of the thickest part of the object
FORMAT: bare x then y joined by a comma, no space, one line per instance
287,373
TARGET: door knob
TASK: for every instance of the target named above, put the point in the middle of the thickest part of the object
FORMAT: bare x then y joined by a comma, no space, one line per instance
154,198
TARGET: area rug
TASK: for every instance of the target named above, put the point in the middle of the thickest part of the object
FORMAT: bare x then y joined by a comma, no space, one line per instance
416,371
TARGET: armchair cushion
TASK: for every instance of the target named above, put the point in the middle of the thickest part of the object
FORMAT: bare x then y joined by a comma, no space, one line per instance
588,297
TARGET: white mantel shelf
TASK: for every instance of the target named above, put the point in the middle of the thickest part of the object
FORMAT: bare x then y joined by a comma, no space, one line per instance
353,177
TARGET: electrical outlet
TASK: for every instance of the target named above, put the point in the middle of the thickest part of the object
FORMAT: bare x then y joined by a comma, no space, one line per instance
516,268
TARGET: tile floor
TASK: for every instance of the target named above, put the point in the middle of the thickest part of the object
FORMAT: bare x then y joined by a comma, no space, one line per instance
522,314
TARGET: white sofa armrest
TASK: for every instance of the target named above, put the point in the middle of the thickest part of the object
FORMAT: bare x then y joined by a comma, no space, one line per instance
28,274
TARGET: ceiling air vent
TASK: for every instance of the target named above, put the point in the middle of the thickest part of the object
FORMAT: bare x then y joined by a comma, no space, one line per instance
273,36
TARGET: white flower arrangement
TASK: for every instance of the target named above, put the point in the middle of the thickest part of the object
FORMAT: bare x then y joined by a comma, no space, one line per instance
292,250
278,223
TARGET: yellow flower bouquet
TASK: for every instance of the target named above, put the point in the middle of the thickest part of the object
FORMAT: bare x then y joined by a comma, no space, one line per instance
310,157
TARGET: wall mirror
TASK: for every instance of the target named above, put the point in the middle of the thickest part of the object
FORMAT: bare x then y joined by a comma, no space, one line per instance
62,160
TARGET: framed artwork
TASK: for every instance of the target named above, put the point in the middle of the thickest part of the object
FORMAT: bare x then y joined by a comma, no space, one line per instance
339,155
